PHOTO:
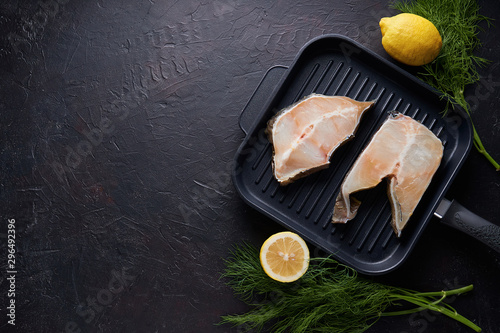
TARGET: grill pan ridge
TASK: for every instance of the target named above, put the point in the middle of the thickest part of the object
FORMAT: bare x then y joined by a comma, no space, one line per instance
336,65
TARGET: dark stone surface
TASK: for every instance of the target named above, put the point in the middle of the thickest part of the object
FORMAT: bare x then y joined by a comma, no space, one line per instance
119,122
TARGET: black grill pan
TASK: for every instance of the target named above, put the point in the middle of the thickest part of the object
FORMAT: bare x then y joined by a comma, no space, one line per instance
336,65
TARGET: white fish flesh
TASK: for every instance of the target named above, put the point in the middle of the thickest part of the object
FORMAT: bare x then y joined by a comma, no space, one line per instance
406,153
305,134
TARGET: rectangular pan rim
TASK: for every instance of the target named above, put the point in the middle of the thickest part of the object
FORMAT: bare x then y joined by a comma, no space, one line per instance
272,100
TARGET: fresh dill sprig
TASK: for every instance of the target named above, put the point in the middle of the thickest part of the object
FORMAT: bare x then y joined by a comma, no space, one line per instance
330,297
456,66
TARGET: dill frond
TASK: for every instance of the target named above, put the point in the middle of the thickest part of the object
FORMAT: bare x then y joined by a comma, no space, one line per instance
330,297
456,66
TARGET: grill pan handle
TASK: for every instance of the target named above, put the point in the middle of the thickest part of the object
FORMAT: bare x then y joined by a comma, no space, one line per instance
457,216
253,108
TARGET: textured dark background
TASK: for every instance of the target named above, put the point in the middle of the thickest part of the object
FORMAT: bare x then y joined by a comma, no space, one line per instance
119,123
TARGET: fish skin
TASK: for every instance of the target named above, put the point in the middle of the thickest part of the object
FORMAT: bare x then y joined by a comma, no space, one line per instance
408,163
306,134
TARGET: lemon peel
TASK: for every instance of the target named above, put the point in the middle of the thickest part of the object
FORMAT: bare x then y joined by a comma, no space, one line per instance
410,39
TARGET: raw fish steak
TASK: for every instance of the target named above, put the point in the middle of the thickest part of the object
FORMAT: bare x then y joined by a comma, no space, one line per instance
305,134
403,151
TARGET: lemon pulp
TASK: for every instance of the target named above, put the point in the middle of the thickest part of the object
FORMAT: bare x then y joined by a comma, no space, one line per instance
284,256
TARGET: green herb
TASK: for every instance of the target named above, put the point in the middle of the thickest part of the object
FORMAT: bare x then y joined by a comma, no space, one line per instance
456,65
330,297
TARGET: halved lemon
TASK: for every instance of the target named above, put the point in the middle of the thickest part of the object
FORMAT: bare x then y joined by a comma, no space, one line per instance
284,256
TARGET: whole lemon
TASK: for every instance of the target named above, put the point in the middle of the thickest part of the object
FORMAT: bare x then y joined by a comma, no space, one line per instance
410,39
